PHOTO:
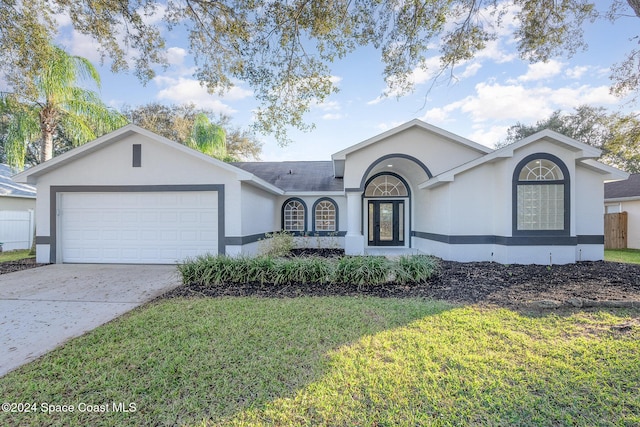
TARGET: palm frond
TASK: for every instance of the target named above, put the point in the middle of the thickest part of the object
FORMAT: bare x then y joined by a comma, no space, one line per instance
23,129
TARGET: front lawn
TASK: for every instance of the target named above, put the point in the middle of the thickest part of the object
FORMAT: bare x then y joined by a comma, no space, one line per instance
629,256
338,361
16,255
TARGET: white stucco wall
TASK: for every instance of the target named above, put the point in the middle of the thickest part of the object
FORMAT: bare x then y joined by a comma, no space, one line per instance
479,203
258,214
111,165
588,206
436,152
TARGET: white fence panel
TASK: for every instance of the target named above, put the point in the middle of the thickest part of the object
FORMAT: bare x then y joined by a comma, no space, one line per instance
16,229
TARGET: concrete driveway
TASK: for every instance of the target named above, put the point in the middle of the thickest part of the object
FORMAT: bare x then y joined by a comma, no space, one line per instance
43,307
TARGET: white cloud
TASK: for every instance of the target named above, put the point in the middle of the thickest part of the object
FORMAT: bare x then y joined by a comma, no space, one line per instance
332,116
186,90
329,106
577,72
471,70
542,70
176,55
515,102
489,136
82,45
383,127
436,115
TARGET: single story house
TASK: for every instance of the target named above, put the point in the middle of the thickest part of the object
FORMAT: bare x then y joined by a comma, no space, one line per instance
624,196
134,197
17,211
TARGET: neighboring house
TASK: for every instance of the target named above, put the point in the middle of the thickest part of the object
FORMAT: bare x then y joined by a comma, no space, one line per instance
17,209
624,196
134,197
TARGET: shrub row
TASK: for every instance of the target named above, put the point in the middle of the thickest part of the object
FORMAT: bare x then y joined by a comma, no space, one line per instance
355,270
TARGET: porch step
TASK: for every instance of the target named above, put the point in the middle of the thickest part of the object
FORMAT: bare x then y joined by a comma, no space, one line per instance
392,252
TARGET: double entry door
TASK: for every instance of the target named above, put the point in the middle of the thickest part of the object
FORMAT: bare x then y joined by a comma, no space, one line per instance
386,222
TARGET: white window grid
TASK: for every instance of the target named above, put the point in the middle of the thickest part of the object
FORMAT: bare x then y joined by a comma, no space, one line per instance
325,216
386,186
294,216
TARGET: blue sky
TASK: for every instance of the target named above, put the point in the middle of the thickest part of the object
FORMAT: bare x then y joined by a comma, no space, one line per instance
490,93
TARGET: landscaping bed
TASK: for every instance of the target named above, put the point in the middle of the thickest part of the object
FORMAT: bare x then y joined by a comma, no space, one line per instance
580,284
23,264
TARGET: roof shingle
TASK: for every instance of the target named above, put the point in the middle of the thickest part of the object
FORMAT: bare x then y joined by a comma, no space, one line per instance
8,187
621,189
296,176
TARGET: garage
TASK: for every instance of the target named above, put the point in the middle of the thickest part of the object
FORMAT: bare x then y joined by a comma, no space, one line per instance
136,227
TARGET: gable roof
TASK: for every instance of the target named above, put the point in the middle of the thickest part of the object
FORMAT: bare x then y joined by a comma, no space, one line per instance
296,176
10,188
629,188
583,153
31,175
340,157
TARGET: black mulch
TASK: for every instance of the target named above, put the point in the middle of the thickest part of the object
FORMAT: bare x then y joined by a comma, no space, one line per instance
23,264
481,282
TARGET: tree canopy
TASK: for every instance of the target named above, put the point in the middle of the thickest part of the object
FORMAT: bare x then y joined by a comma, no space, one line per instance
283,48
177,123
617,135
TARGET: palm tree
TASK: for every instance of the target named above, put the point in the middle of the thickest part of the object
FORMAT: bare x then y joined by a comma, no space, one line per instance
60,108
208,138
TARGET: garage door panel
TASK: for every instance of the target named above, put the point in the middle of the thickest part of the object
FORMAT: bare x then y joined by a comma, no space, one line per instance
137,227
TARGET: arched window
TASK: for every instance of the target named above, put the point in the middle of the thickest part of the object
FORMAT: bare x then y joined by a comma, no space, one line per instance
386,185
541,195
325,215
294,215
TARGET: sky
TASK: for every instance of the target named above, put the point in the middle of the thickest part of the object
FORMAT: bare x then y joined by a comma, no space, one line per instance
489,94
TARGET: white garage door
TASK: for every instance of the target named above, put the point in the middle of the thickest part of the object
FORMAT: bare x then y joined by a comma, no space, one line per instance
137,227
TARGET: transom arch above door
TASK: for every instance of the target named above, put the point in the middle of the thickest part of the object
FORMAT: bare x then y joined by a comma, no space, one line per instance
386,184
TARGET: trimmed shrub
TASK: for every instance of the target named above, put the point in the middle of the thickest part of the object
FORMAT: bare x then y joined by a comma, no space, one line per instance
362,270
277,244
415,268
354,270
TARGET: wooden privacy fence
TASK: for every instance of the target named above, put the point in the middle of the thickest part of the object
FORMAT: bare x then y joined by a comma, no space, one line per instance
615,230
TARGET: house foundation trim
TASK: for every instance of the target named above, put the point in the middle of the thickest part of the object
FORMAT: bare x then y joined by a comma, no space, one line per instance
511,241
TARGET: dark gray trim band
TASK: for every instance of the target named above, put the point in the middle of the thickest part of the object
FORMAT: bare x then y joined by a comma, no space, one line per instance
591,240
245,240
511,241
43,240
55,189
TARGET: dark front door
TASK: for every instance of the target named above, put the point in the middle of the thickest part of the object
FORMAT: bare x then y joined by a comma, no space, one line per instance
386,222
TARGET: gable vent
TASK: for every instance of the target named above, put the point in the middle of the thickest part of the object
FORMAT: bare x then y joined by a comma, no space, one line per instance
137,155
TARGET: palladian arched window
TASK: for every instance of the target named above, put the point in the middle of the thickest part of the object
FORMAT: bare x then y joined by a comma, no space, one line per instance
541,195
325,215
294,215
386,185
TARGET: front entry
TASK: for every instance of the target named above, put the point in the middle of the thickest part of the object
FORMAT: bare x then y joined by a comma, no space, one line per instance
386,223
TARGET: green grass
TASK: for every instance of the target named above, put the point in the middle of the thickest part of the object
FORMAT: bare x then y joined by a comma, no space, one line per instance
15,255
340,361
629,256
